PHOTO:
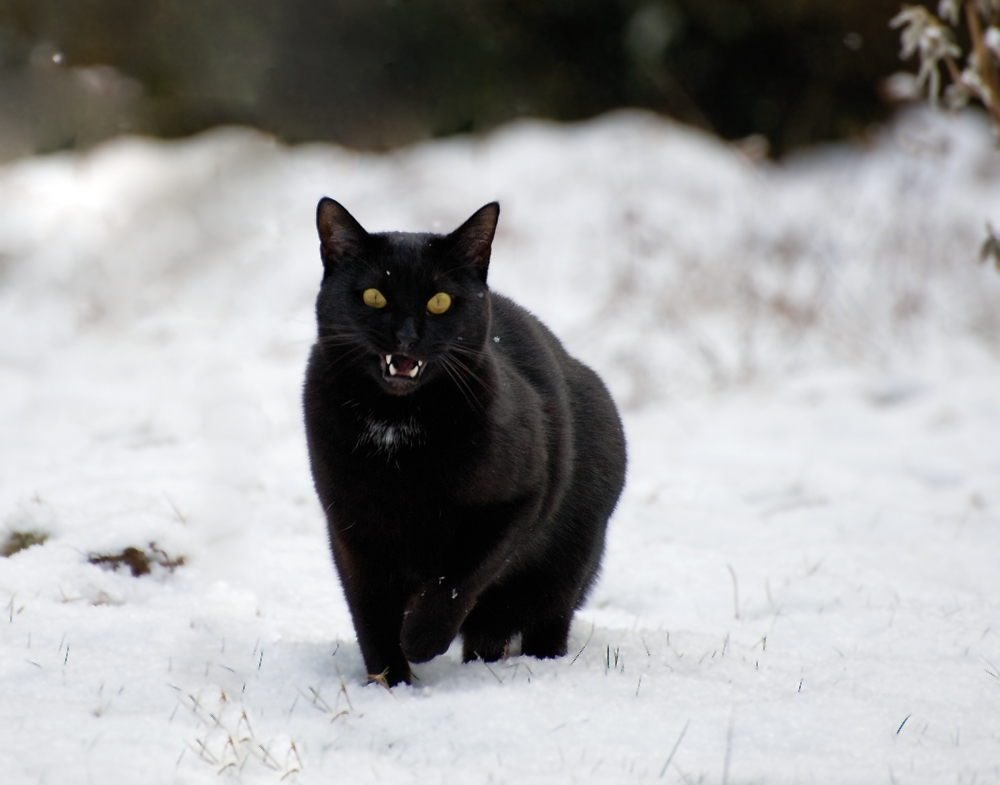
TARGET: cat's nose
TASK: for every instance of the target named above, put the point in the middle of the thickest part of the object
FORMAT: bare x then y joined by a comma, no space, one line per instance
406,335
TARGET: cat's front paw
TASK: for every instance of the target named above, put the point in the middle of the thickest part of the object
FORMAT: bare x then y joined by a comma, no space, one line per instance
423,642
430,623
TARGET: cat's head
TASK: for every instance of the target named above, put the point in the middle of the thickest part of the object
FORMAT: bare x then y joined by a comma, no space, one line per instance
404,309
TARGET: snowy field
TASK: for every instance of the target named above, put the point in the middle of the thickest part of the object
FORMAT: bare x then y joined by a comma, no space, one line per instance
802,581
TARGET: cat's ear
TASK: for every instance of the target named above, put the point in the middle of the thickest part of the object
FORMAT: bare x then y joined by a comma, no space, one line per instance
339,233
474,238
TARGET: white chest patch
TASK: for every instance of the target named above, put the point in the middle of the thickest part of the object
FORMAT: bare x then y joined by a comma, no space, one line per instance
387,437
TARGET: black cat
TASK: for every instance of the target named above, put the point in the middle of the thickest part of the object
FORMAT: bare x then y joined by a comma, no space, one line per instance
467,465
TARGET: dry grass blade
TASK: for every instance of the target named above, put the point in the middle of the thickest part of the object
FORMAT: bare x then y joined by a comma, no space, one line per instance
673,751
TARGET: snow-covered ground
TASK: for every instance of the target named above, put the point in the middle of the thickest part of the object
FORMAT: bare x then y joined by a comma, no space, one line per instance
802,581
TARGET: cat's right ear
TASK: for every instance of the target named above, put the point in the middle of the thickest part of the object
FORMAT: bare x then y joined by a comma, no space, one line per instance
474,238
340,234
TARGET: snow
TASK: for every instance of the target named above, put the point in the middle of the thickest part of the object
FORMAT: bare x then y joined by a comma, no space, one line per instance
800,583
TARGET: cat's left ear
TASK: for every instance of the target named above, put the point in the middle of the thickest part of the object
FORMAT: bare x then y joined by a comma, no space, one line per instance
339,233
474,238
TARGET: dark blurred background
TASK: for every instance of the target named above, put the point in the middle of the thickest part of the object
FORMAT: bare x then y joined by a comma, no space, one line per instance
374,74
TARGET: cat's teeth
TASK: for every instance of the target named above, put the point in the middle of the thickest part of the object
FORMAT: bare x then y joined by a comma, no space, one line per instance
412,373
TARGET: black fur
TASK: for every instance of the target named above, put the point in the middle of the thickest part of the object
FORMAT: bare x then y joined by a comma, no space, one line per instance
474,498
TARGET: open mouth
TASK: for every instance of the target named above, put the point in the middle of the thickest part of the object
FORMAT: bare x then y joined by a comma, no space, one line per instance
401,367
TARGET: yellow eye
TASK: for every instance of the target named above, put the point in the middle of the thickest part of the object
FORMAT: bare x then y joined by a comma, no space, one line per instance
439,303
373,298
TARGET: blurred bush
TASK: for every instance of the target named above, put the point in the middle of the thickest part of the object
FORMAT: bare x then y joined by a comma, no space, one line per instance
378,73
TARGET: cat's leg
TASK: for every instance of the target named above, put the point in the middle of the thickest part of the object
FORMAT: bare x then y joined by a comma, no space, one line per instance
546,620
542,601
547,637
484,645
376,607
384,659
486,632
